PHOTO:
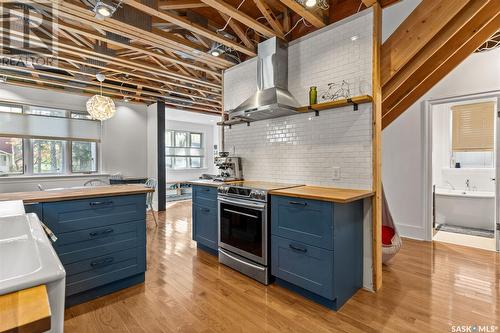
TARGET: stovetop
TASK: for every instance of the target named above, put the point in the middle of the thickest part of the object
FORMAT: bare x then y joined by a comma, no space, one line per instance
252,190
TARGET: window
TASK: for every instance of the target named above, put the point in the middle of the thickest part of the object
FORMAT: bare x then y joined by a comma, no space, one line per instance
83,156
11,156
11,108
473,134
48,156
184,150
41,111
77,115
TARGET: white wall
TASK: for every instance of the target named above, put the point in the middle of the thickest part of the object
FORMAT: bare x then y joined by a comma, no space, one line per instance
123,144
208,142
394,15
402,141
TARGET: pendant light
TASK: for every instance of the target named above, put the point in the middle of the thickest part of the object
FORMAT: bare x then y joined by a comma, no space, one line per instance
101,107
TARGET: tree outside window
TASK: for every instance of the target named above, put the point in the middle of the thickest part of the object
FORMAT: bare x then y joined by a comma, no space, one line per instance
83,156
48,156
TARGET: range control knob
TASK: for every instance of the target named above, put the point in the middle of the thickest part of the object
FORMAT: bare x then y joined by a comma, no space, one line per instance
258,195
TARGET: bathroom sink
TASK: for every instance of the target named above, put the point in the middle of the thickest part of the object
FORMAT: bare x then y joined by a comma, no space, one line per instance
27,258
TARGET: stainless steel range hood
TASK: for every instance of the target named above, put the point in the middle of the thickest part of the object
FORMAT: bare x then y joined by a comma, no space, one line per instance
272,98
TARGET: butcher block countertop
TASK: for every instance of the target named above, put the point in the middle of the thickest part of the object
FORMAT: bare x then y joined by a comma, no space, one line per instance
75,193
26,310
339,195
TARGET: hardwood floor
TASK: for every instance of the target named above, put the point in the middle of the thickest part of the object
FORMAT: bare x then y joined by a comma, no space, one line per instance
427,288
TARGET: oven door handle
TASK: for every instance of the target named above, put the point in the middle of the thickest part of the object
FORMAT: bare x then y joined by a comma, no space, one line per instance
240,213
241,261
243,203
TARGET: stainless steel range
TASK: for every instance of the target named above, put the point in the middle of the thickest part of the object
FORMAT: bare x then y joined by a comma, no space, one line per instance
244,227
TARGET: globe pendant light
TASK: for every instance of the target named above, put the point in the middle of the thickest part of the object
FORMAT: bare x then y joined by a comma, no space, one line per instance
101,107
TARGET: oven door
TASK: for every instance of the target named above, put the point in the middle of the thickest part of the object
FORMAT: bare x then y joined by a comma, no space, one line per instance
243,228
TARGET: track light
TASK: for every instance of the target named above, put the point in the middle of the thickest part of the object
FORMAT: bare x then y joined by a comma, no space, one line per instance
310,3
216,49
3,79
102,10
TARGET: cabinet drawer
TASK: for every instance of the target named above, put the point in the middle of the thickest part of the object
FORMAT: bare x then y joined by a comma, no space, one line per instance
205,196
68,216
98,271
307,221
205,226
75,252
306,266
89,238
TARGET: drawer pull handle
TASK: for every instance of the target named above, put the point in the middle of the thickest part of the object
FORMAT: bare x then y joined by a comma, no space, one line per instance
205,210
297,203
100,203
102,262
298,248
101,233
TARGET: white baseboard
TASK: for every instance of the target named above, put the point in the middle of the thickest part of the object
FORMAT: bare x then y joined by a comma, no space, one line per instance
411,231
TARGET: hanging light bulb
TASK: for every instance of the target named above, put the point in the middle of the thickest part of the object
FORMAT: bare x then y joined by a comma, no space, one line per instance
310,3
101,107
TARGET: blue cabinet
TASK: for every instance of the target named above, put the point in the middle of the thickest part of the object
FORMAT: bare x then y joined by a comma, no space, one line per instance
317,248
205,217
101,242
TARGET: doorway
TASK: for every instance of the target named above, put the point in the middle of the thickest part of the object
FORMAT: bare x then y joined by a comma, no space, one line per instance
462,162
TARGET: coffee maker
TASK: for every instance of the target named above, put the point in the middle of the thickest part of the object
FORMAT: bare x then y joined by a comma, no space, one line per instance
229,167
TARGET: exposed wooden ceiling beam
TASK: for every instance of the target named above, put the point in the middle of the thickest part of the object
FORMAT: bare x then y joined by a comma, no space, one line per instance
452,36
238,15
180,4
369,3
445,59
270,17
414,33
117,61
186,24
155,37
84,32
306,14
235,26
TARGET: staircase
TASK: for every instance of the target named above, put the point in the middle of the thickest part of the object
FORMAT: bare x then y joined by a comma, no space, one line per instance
435,38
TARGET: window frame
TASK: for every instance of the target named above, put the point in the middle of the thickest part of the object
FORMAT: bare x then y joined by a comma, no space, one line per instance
23,171
64,153
189,146
70,151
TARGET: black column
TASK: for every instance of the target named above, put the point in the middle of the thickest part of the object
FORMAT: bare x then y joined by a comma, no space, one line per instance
162,170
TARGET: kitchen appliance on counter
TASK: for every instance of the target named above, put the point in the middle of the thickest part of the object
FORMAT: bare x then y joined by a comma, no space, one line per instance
229,167
244,227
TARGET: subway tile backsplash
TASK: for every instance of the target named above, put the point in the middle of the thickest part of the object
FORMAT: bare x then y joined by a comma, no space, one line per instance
303,148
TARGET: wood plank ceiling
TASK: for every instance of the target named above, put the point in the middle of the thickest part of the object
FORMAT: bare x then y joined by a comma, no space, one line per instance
149,50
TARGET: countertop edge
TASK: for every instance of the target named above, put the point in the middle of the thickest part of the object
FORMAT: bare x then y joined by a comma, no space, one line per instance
32,312
312,196
66,195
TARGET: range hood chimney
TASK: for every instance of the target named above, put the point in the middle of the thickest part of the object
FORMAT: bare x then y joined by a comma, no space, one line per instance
272,98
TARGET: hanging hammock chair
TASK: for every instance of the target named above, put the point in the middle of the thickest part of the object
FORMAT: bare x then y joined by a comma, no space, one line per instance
391,242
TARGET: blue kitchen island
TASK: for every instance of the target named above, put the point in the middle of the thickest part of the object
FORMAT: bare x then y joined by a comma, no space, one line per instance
101,235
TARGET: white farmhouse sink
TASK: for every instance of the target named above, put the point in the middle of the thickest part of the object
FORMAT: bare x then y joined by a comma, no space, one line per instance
27,259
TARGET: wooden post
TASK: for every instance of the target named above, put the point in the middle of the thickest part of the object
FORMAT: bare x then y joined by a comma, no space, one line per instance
377,148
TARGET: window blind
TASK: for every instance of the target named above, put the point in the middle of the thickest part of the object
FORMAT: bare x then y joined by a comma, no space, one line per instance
32,126
473,127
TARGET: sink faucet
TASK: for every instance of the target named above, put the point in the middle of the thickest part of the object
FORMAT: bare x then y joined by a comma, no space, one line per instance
467,184
451,185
